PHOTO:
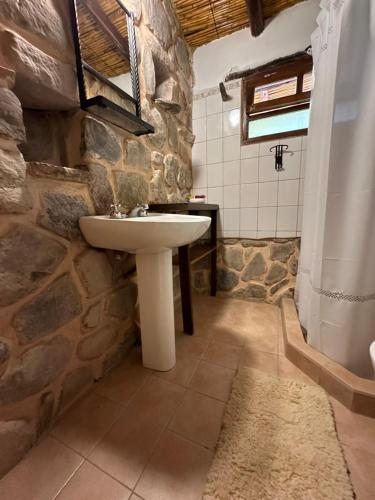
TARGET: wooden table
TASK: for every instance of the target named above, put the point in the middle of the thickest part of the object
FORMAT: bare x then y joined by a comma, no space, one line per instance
190,254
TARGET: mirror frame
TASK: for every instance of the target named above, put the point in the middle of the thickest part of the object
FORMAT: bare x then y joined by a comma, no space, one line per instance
130,122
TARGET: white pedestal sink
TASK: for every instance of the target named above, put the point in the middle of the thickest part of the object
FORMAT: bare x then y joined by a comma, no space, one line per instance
151,239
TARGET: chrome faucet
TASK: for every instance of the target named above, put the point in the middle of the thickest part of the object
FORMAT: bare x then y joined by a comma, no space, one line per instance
115,211
139,211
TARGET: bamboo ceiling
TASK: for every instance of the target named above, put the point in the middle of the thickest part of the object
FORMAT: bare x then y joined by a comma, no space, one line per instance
203,21
97,48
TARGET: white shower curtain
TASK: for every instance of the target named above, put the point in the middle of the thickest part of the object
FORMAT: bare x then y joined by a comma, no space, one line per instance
336,277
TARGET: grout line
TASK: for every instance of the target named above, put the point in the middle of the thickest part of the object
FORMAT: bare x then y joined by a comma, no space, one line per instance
69,478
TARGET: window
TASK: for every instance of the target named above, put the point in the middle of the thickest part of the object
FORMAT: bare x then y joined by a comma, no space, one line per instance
276,100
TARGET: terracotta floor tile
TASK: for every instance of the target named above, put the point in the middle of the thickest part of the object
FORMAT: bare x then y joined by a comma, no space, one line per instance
187,345
183,371
286,369
212,380
90,483
199,419
356,431
264,361
219,353
125,450
228,335
41,474
157,397
135,497
86,423
362,472
177,470
265,341
124,381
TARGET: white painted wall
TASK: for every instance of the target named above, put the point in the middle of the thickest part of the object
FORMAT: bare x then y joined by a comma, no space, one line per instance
288,32
124,82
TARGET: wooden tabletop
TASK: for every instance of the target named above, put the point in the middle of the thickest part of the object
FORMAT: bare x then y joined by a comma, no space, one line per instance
183,207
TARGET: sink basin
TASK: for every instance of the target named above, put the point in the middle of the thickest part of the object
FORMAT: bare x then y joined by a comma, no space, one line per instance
151,239
143,234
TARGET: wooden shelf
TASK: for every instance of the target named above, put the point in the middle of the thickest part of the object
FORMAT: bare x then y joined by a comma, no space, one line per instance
183,207
197,252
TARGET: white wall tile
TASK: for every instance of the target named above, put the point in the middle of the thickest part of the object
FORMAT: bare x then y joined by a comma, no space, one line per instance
232,196
249,195
199,108
199,129
268,194
267,218
231,148
286,234
214,126
267,170
199,154
293,143
255,200
303,164
214,104
266,234
231,122
215,175
287,218
248,234
264,147
248,219
230,234
249,170
291,165
305,139
231,172
214,151
301,191
299,218
250,151
215,195
231,219
200,177
234,101
288,192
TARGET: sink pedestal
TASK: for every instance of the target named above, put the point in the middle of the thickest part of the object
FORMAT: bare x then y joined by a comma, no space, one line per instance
155,290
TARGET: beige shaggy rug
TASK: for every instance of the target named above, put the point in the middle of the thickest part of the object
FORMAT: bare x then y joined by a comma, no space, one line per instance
278,442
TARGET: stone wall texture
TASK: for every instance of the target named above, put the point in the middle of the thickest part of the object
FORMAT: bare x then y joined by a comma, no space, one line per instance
69,312
261,270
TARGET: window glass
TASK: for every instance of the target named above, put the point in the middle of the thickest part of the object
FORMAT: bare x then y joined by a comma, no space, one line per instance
275,90
277,124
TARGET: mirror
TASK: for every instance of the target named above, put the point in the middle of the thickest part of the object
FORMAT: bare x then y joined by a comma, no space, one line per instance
107,68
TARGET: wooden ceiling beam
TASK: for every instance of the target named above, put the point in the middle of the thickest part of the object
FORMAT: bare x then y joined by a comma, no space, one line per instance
102,19
256,17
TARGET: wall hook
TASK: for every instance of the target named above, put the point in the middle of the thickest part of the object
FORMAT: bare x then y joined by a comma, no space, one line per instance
279,151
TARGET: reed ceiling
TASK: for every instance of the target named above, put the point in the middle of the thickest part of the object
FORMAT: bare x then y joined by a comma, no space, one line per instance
203,21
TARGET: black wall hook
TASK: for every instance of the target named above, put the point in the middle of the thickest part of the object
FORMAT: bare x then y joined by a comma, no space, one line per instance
279,150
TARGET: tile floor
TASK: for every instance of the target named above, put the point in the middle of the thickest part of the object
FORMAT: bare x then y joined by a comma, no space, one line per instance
146,435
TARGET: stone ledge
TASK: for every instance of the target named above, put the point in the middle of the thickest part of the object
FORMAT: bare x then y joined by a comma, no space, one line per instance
356,393
48,171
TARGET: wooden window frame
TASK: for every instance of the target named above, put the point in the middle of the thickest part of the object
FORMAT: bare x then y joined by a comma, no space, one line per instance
294,66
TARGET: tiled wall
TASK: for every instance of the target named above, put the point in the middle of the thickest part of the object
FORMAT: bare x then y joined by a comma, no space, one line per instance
255,200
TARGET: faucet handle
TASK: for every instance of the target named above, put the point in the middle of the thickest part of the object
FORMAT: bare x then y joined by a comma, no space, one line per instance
115,211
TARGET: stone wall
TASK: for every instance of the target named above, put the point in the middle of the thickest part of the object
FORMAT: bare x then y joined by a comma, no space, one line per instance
68,311
262,270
